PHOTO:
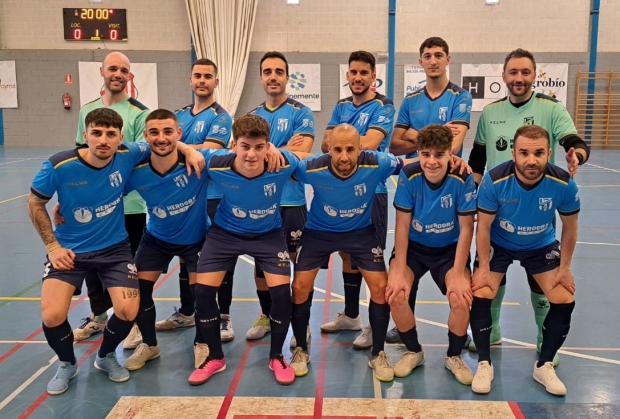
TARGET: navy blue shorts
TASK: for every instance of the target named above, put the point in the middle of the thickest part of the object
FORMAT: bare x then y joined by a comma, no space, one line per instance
536,261
114,265
293,222
379,217
362,245
222,248
438,260
154,255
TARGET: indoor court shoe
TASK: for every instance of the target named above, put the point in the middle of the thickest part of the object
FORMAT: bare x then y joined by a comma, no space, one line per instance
60,383
141,355
556,358
460,369
383,370
281,370
175,321
226,331
342,322
207,369
408,362
364,340
293,343
496,339
481,384
261,327
546,376
88,327
299,362
110,365
201,353
133,339
392,336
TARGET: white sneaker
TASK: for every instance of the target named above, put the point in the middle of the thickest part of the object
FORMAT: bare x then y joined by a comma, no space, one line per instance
133,339
88,327
546,376
383,370
226,330
293,343
299,362
201,353
460,369
342,322
481,383
141,355
261,327
175,321
364,340
408,362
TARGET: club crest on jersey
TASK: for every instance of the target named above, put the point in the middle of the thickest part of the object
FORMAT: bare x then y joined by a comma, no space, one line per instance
446,201
507,225
528,120
443,113
360,189
181,181
116,179
363,119
200,125
282,124
269,189
417,225
545,204
159,212
331,211
83,214
239,212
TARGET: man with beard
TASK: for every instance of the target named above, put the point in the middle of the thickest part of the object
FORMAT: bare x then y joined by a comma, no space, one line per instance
340,220
517,201
494,143
115,70
372,114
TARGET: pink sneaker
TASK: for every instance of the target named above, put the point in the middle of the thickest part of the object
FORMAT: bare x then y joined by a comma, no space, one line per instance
283,373
201,375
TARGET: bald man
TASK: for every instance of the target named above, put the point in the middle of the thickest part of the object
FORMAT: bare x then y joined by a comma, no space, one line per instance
115,70
344,183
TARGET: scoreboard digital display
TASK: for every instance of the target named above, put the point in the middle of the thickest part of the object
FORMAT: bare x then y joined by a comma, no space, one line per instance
95,24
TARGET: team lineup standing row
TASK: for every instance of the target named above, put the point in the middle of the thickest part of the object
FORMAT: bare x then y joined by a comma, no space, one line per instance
349,215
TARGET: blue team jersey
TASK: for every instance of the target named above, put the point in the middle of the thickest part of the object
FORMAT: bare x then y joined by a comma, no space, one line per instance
176,202
211,125
418,110
377,113
289,119
249,206
435,209
91,199
341,205
524,214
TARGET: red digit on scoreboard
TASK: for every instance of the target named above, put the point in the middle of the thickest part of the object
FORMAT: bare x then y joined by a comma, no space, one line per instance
77,34
113,34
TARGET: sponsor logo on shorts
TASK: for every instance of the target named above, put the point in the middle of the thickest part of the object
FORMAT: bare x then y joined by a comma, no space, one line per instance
285,260
133,271
446,201
296,235
83,214
269,189
545,204
377,254
116,179
507,225
239,212
360,189
181,181
257,214
46,271
554,254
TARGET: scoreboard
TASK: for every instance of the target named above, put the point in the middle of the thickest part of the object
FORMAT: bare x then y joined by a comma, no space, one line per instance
95,24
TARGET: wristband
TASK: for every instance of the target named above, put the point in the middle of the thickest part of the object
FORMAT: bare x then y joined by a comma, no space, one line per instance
52,246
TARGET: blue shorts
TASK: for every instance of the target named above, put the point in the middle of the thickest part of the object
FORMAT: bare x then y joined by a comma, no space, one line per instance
362,245
293,222
438,260
114,265
154,255
536,261
222,248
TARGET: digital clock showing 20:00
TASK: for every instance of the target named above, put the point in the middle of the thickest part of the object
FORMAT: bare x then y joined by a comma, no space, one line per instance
95,24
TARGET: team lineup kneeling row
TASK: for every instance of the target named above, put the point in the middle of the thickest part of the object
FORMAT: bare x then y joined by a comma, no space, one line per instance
255,199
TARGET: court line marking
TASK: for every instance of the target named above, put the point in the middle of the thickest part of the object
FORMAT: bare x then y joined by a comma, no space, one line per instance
29,381
13,199
27,159
602,167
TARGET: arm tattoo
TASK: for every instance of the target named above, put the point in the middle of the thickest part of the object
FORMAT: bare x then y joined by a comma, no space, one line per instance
41,219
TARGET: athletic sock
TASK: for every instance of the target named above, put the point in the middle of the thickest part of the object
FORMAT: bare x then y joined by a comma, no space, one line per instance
224,294
379,319
116,330
264,299
280,317
410,339
541,306
555,330
60,339
187,301
455,343
100,318
496,305
352,287
208,319
480,320
299,322
147,314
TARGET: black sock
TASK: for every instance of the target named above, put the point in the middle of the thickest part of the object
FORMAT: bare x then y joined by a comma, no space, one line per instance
224,294
60,339
413,295
352,287
555,330
410,339
480,320
299,322
114,333
280,317
379,319
147,314
187,301
311,296
264,299
192,289
208,319
455,343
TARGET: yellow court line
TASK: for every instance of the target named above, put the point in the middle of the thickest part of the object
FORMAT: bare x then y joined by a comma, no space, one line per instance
13,199
393,180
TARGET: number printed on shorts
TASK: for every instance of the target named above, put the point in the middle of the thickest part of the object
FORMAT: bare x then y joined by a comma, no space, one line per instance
46,271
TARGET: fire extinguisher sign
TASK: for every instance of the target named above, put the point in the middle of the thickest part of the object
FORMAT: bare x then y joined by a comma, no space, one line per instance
142,83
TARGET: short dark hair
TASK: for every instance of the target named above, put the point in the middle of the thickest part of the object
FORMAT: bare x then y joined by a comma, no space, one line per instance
519,53
532,132
435,137
251,126
160,114
273,54
104,117
204,61
433,42
364,57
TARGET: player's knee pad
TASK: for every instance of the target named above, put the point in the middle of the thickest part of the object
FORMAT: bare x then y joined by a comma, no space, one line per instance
282,306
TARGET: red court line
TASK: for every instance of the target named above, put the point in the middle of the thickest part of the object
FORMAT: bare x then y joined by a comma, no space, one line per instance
232,389
516,410
13,209
320,380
